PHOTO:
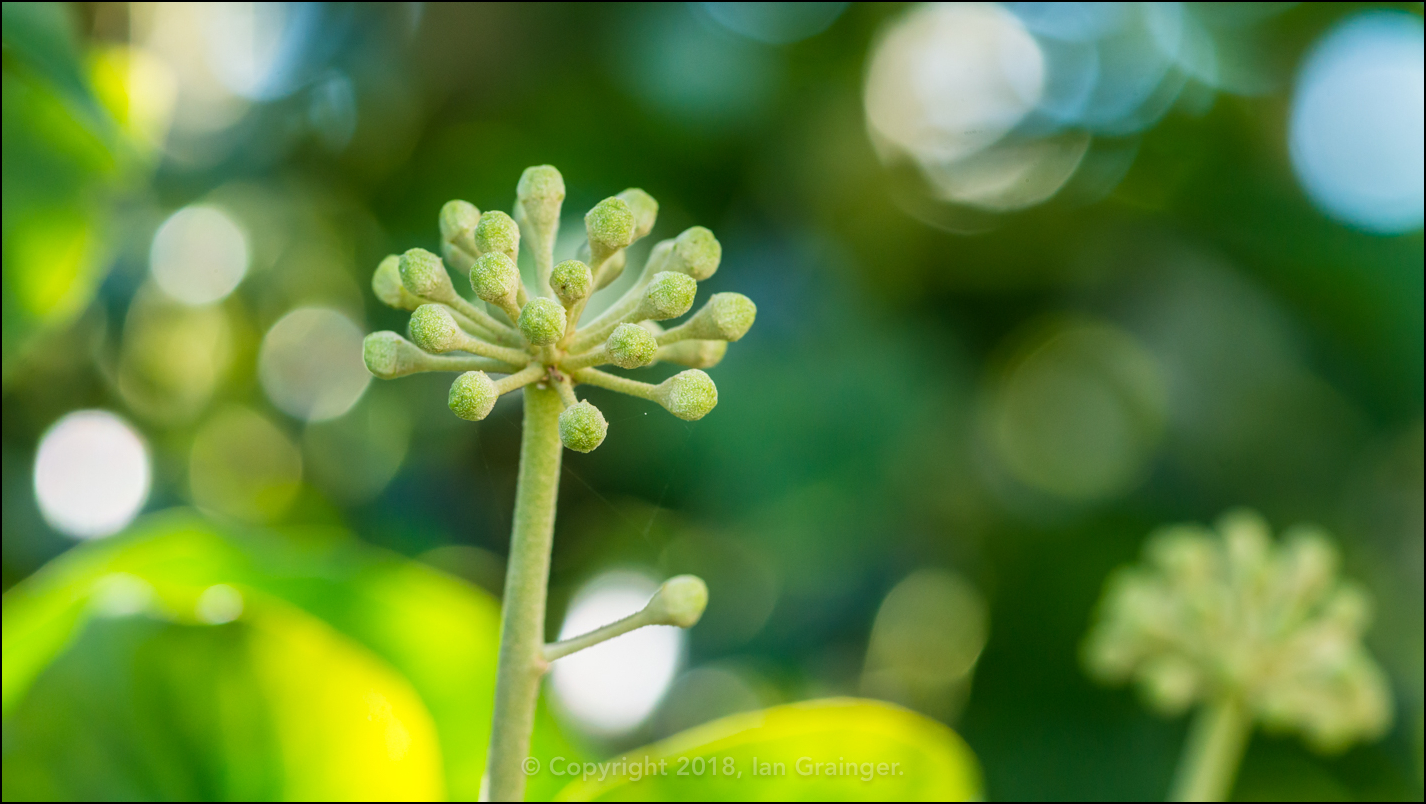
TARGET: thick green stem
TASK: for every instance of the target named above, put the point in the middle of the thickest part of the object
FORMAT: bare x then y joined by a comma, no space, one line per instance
1216,742
522,632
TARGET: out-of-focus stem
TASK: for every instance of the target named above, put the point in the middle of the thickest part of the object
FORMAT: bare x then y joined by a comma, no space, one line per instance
1216,742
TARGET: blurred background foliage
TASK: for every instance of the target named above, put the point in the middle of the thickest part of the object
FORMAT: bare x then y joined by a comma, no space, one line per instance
1032,280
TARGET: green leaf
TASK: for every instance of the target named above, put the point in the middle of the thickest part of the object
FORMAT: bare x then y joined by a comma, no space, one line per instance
838,749
439,633
274,705
59,165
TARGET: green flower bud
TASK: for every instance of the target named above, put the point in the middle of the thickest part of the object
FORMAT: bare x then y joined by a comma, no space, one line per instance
631,346
726,317
669,295
696,252
386,284
582,427
498,233
694,354
495,279
645,209
542,321
423,274
458,222
610,226
473,395
680,601
540,193
572,281
386,354
433,329
689,395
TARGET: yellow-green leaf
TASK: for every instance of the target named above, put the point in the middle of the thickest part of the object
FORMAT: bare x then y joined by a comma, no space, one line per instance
838,749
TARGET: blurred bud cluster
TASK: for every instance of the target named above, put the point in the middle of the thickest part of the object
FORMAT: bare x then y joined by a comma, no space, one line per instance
1234,615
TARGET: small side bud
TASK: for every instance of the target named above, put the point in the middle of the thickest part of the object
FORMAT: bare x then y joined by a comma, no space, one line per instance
694,354
669,295
498,233
458,222
582,427
433,329
423,274
542,321
696,252
630,346
610,227
680,601
472,396
495,279
645,209
572,281
689,395
386,284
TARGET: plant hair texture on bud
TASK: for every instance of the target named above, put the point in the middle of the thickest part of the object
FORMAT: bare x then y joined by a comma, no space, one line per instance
630,346
572,282
582,427
389,289
458,221
546,351
542,321
498,233
496,280
644,208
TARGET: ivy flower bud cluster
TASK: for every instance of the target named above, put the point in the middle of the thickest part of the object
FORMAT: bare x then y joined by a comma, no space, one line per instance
1232,615
540,335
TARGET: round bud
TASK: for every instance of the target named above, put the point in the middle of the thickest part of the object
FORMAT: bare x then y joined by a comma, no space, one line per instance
689,395
731,315
386,284
610,225
497,232
458,221
388,355
571,281
542,321
423,274
433,329
472,396
696,252
695,354
541,184
644,207
680,601
669,295
582,427
631,346
494,278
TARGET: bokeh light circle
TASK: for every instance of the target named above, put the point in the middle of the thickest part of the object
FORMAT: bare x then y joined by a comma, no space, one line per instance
92,474
311,365
613,687
199,255
775,23
1079,412
951,79
1356,132
242,466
